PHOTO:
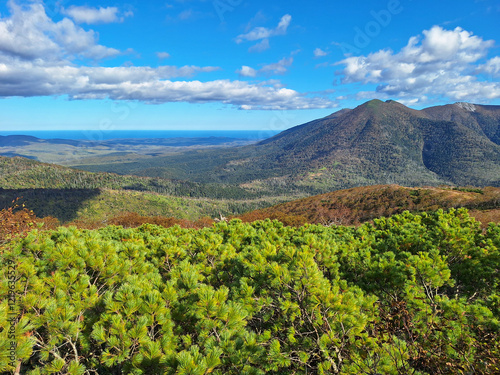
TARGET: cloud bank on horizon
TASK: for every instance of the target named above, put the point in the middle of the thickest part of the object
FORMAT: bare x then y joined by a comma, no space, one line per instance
57,56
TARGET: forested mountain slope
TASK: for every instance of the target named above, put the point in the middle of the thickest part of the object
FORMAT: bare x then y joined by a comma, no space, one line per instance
22,173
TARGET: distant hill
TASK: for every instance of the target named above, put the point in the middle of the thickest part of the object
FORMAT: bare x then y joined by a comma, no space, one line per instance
375,143
86,151
70,194
22,173
361,204
17,140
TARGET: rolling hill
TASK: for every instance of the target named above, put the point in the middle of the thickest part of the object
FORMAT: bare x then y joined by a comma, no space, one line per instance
69,194
375,143
357,205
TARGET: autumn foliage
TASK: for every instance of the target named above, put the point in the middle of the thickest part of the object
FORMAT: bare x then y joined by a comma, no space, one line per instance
17,220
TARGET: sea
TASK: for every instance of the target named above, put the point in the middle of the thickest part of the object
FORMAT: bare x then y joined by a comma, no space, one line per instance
97,135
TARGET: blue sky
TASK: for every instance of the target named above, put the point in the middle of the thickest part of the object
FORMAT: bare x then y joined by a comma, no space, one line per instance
236,64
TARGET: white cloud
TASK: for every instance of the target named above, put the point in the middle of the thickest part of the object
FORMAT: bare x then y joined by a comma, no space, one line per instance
30,34
281,67
283,25
260,47
84,14
492,67
146,84
442,64
40,57
318,52
259,33
163,55
247,71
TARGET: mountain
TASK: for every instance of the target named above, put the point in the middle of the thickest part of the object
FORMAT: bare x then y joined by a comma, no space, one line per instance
374,143
24,140
387,141
483,119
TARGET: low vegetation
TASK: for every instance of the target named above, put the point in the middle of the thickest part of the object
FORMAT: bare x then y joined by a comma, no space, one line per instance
357,205
410,294
100,205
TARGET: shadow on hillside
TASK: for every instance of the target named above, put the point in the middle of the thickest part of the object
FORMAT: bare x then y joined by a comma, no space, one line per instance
60,203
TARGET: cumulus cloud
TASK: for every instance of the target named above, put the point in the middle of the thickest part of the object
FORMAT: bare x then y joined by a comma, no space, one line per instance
30,34
318,52
259,33
88,15
247,71
163,55
147,85
40,57
281,67
442,63
492,67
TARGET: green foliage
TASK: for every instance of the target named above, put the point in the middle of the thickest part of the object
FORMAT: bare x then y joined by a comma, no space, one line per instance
410,294
20,173
100,206
470,190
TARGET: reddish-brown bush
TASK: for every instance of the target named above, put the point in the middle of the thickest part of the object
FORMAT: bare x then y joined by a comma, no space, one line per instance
17,220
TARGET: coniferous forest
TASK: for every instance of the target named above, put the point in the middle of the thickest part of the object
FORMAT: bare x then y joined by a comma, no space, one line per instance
409,294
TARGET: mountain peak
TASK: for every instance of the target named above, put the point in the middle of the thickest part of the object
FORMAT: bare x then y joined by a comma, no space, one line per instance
378,107
374,103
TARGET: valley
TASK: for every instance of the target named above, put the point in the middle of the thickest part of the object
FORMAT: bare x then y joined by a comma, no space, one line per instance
122,150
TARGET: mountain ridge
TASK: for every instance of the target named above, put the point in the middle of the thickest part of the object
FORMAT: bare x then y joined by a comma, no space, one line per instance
390,138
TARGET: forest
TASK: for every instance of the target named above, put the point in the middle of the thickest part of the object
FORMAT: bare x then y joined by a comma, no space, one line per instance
415,293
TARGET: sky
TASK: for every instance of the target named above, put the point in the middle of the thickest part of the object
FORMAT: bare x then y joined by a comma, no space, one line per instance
237,64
